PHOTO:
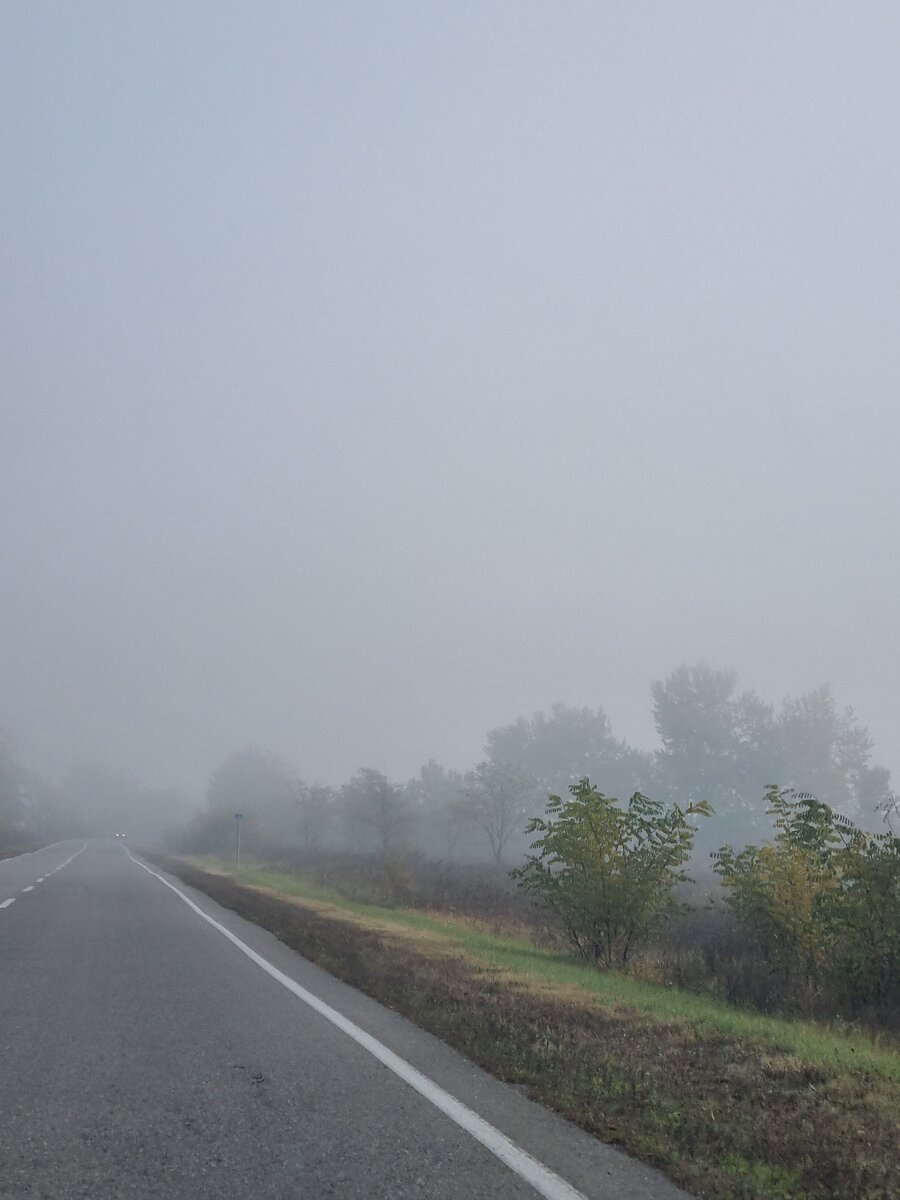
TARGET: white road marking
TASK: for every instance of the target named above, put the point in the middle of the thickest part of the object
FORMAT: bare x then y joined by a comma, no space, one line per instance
544,1181
41,880
7,903
71,858
30,888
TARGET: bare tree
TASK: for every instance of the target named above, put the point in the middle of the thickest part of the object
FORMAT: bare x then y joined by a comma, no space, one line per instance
495,801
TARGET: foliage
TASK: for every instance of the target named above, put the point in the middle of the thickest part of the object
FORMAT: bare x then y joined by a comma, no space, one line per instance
607,871
823,898
786,891
674,1077
717,745
826,751
494,800
724,746
556,749
214,831
870,917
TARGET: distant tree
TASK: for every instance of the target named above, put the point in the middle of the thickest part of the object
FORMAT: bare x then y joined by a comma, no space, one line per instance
214,831
435,794
495,800
606,870
558,748
313,804
718,746
255,782
826,751
375,805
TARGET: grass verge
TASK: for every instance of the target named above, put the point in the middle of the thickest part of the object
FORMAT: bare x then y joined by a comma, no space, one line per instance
733,1104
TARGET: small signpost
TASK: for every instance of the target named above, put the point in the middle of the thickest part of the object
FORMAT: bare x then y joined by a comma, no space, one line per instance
238,817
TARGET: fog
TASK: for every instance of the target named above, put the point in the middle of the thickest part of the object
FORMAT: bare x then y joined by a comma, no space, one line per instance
374,375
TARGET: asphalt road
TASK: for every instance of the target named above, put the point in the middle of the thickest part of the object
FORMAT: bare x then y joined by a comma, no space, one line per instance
147,1052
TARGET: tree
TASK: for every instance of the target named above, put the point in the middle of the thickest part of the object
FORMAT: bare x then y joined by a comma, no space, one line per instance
825,750
313,804
608,872
556,749
214,831
373,803
435,794
823,898
255,782
495,800
717,746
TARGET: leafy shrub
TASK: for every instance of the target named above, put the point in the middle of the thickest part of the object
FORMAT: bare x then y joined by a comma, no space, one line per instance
823,900
608,872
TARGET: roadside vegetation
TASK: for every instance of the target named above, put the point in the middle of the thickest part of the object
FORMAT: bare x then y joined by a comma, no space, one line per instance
731,1102
707,972
594,975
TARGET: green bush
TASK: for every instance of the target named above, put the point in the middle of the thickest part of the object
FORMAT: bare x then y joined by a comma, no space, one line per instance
823,900
608,872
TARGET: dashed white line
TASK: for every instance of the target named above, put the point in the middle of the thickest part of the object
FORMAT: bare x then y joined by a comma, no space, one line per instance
59,867
544,1181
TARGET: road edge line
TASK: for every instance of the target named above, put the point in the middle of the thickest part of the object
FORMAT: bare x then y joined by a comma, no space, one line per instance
545,1182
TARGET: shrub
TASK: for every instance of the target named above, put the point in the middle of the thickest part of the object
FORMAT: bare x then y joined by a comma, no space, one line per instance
608,872
823,899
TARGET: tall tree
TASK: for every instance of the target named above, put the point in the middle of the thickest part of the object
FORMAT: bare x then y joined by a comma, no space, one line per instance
718,746
557,749
827,751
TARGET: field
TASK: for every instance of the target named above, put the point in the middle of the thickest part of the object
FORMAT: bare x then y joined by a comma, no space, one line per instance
731,1102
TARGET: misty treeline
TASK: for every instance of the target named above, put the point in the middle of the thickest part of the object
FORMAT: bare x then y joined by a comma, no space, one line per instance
717,745
91,800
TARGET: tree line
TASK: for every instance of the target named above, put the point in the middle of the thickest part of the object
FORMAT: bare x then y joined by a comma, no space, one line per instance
718,746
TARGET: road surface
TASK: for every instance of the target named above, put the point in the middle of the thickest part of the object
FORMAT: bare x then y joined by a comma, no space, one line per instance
148,1052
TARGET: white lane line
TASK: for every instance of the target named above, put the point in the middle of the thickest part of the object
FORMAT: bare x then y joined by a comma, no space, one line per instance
7,903
30,888
544,1181
71,858
41,880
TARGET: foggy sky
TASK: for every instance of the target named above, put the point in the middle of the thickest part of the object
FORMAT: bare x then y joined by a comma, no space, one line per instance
374,373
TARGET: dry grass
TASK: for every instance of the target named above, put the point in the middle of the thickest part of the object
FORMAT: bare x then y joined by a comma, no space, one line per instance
727,1116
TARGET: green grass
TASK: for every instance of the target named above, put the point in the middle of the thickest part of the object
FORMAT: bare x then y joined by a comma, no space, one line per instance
733,1104
848,1049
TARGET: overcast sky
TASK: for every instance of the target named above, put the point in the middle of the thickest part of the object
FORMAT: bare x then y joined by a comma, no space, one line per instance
373,373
